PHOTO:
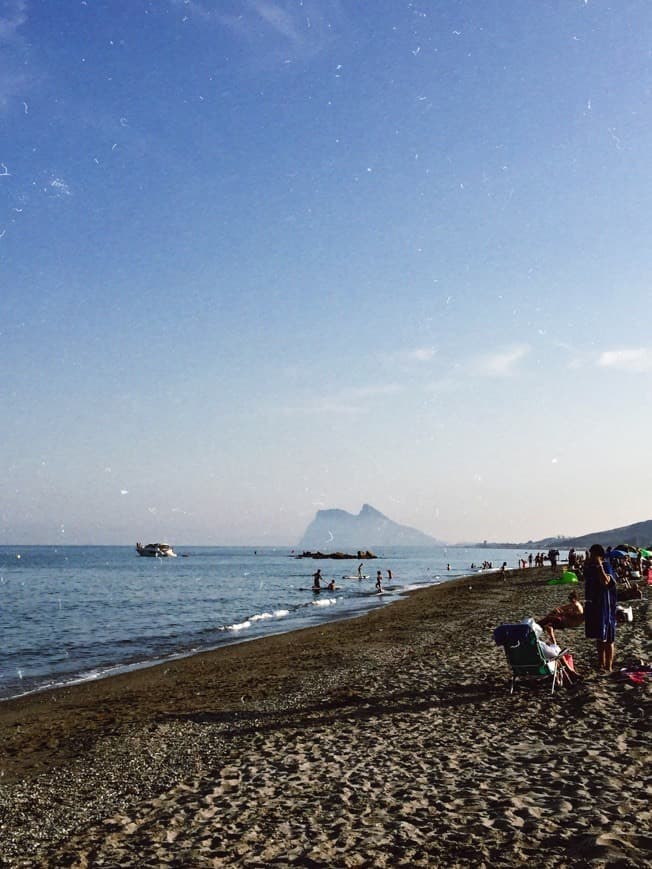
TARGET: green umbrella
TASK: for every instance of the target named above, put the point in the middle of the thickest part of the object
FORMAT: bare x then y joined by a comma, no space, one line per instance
646,553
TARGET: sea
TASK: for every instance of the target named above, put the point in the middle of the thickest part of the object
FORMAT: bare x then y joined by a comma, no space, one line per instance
78,613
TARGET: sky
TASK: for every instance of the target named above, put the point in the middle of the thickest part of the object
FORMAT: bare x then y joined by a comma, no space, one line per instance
264,257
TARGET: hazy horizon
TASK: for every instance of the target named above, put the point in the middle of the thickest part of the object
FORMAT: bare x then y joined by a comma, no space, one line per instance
264,257
297,544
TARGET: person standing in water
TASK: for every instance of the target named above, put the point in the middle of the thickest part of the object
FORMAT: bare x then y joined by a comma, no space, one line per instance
379,578
316,580
360,570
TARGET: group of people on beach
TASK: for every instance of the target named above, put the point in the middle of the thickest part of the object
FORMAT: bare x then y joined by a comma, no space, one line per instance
599,611
600,572
537,560
607,576
627,567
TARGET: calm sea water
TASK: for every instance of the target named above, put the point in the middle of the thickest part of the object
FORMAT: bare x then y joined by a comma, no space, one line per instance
73,613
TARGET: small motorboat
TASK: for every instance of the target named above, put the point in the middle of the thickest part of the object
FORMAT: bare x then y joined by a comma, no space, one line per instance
156,550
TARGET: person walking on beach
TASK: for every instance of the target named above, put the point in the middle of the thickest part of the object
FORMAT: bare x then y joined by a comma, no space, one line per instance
600,607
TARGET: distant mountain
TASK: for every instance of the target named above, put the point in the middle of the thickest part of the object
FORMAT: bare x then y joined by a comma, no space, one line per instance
338,530
638,534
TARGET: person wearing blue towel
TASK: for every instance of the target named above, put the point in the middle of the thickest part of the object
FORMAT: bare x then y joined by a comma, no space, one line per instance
600,607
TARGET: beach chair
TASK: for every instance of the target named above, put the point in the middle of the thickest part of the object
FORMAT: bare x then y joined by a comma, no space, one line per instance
526,659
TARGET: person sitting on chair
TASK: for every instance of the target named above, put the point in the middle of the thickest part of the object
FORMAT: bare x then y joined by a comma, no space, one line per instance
551,649
569,615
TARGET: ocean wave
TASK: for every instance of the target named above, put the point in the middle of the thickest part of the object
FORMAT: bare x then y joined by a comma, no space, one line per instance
238,626
257,617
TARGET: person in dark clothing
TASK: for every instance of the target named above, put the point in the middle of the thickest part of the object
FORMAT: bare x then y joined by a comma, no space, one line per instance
600,607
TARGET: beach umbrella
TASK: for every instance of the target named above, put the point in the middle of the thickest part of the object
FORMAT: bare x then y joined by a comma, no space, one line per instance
646,553
626,547
617,553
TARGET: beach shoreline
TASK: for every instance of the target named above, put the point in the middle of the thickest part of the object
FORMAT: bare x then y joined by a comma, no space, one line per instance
116,612
389,737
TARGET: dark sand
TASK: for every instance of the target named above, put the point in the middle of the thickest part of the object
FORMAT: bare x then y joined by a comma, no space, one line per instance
387,740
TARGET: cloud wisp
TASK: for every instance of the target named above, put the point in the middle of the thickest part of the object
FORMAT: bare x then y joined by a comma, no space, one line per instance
285,29
13,77
278,19
501,364
408,361
12,17
637,359
349,401
417,354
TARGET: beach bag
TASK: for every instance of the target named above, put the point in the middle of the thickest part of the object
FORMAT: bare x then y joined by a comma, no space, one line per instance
624,614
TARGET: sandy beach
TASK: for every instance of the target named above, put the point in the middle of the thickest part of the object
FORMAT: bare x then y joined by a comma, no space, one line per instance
387,740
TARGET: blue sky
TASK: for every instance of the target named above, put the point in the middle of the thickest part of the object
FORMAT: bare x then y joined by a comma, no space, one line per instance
261,258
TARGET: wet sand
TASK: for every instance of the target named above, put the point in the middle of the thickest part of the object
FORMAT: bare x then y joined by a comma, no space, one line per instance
387,740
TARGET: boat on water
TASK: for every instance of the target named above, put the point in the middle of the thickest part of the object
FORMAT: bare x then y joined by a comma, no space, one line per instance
156,550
